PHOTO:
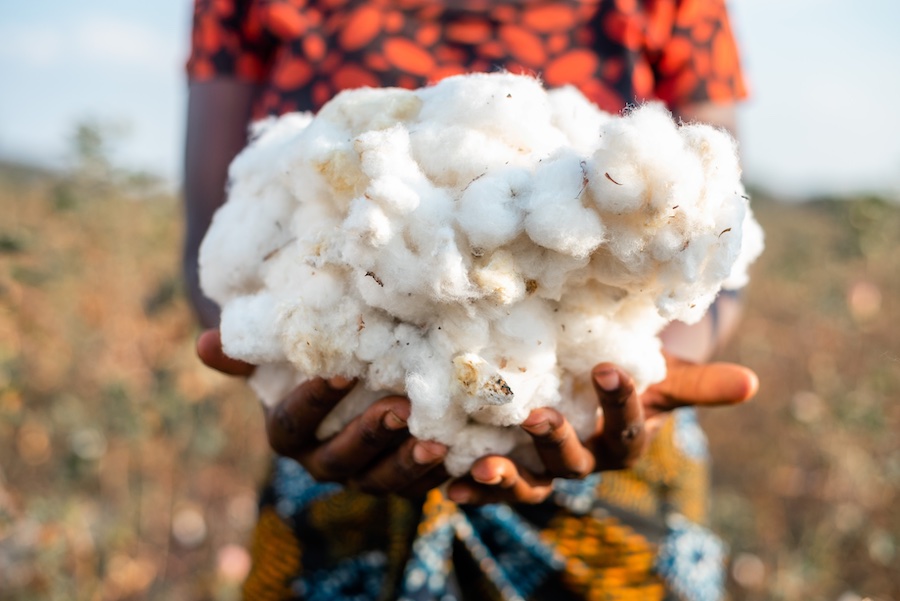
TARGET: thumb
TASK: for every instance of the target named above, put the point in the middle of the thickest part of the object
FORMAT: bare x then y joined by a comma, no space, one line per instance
209,349
706,384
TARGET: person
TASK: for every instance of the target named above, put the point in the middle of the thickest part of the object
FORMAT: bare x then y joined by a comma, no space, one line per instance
361,515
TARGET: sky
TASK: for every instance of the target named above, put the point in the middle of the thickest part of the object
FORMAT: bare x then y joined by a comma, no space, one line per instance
823,115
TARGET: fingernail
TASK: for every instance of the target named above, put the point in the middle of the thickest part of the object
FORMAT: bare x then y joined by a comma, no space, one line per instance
607,379
339,382
540,428
534,418
427,451
485,475
459,494
491,481
392,421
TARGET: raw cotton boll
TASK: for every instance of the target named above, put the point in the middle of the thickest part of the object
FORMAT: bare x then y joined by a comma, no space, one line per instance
521,357
526,328
752,243
460,327
499,279
368,224
320,343
716,150
376,335
312,324
617,186
314,246
556,216
578,402
524,350
387,373
577,118
429,230
477,245
249,329
384,294
544,271
385,157
331,164
453,156
453,285
667,243
430,379
650,135
310,166
269,138
355,403
229,265
589,297
480,385
504,106
637,352
624,334
642,158
729,231
368,109
271,382
323,287
489,209
478,440
626,243
426,265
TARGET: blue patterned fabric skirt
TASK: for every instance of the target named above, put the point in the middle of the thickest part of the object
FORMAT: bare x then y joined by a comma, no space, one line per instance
634,534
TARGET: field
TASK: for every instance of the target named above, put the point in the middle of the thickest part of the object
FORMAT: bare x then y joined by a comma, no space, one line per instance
129,471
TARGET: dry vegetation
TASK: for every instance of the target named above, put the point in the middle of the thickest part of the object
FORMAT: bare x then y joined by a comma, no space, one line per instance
128,471
808,476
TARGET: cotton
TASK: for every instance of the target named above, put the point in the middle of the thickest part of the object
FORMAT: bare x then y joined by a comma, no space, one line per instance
477,245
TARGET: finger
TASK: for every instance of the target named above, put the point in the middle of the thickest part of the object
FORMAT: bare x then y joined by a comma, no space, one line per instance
622,438
209,349
653,424
291,425
556,442
496,479
435,477
414,469
381,427
701,384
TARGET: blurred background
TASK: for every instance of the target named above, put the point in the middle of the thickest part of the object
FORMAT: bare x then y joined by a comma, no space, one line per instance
128,471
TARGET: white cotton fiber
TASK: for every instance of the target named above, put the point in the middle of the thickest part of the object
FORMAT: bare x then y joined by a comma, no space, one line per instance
477,245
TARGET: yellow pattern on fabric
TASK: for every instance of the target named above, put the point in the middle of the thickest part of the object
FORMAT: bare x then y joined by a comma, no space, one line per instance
605,559
348,516
664,474
436,510
276,558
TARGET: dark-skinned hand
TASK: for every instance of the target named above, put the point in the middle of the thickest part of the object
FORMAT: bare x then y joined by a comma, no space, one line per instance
376,453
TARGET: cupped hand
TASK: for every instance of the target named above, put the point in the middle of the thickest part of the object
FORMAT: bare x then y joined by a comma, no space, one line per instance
374,453
623,432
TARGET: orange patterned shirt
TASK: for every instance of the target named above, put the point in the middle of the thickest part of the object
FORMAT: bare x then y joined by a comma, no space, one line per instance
616,52
617,546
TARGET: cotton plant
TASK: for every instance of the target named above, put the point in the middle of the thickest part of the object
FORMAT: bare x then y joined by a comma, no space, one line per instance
476,245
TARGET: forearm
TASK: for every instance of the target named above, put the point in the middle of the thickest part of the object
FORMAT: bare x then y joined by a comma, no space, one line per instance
218,114
718,115
698,342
